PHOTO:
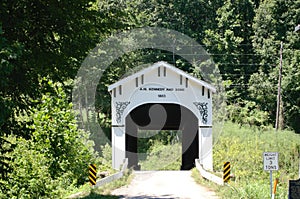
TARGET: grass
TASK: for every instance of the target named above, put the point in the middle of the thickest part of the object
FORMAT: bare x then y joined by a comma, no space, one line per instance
107,188
243,147
87,192
200,180
97,196
163,157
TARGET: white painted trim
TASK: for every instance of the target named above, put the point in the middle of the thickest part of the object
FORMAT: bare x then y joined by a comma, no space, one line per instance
159,64
207,175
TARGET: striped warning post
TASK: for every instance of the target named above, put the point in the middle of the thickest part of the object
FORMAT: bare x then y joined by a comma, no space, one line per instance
92,174
226,172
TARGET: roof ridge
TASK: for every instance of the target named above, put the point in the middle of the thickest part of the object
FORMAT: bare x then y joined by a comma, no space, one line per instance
158,64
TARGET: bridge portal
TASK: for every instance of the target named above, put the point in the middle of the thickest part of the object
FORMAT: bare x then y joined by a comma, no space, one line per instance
162,97
163,117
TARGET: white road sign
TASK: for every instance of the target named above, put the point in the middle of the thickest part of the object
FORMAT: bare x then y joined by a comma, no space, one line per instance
270,161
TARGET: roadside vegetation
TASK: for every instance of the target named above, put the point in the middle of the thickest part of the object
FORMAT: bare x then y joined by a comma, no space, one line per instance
163,157
104,167
103,192
243,147
46,147
161,151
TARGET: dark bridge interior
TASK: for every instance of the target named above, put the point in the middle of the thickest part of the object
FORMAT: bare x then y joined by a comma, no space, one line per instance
163,117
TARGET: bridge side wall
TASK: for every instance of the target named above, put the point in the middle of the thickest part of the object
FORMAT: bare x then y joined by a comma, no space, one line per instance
205,147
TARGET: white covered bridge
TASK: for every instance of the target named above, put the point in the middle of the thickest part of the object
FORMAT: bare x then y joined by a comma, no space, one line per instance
162,97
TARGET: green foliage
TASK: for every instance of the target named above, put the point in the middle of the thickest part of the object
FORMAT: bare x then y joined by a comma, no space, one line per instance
30,177
53,34
37,39
96,196
105,159
9,53
107,188
159,150
104,191
183,16
230,45
40,39
54,158
148,139
274,23
162,157
243,147
55,134
51,38
247,113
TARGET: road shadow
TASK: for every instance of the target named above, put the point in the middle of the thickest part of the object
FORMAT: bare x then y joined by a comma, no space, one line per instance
149,197
97,196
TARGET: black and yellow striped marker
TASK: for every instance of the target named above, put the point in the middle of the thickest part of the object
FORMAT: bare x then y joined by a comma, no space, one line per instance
226,172
92,174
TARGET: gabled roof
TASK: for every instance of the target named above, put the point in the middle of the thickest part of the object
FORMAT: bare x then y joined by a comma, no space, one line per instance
164,64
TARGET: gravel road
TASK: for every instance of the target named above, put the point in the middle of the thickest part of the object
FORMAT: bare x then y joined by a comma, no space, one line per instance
164,185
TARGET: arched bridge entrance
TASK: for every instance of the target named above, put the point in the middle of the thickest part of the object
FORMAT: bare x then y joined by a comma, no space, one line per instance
162,97
163,117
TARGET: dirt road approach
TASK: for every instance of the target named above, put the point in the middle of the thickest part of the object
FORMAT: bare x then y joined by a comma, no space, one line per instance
164,185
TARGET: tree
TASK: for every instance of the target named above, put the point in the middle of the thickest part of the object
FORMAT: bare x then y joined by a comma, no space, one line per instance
38,39
274,23
231,47
54,35
57,153
189,17
8,55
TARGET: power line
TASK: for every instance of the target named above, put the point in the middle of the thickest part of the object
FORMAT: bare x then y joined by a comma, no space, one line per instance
211,54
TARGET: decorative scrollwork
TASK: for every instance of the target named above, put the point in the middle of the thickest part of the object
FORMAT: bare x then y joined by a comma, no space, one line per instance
120,107
203,109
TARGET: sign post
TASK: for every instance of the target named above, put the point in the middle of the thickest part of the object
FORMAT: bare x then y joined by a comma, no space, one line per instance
270,164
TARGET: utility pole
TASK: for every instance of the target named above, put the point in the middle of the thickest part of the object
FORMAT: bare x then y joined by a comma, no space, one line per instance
279,89
297,29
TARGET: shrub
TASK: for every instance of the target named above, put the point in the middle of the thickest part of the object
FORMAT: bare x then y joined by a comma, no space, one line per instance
56,156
